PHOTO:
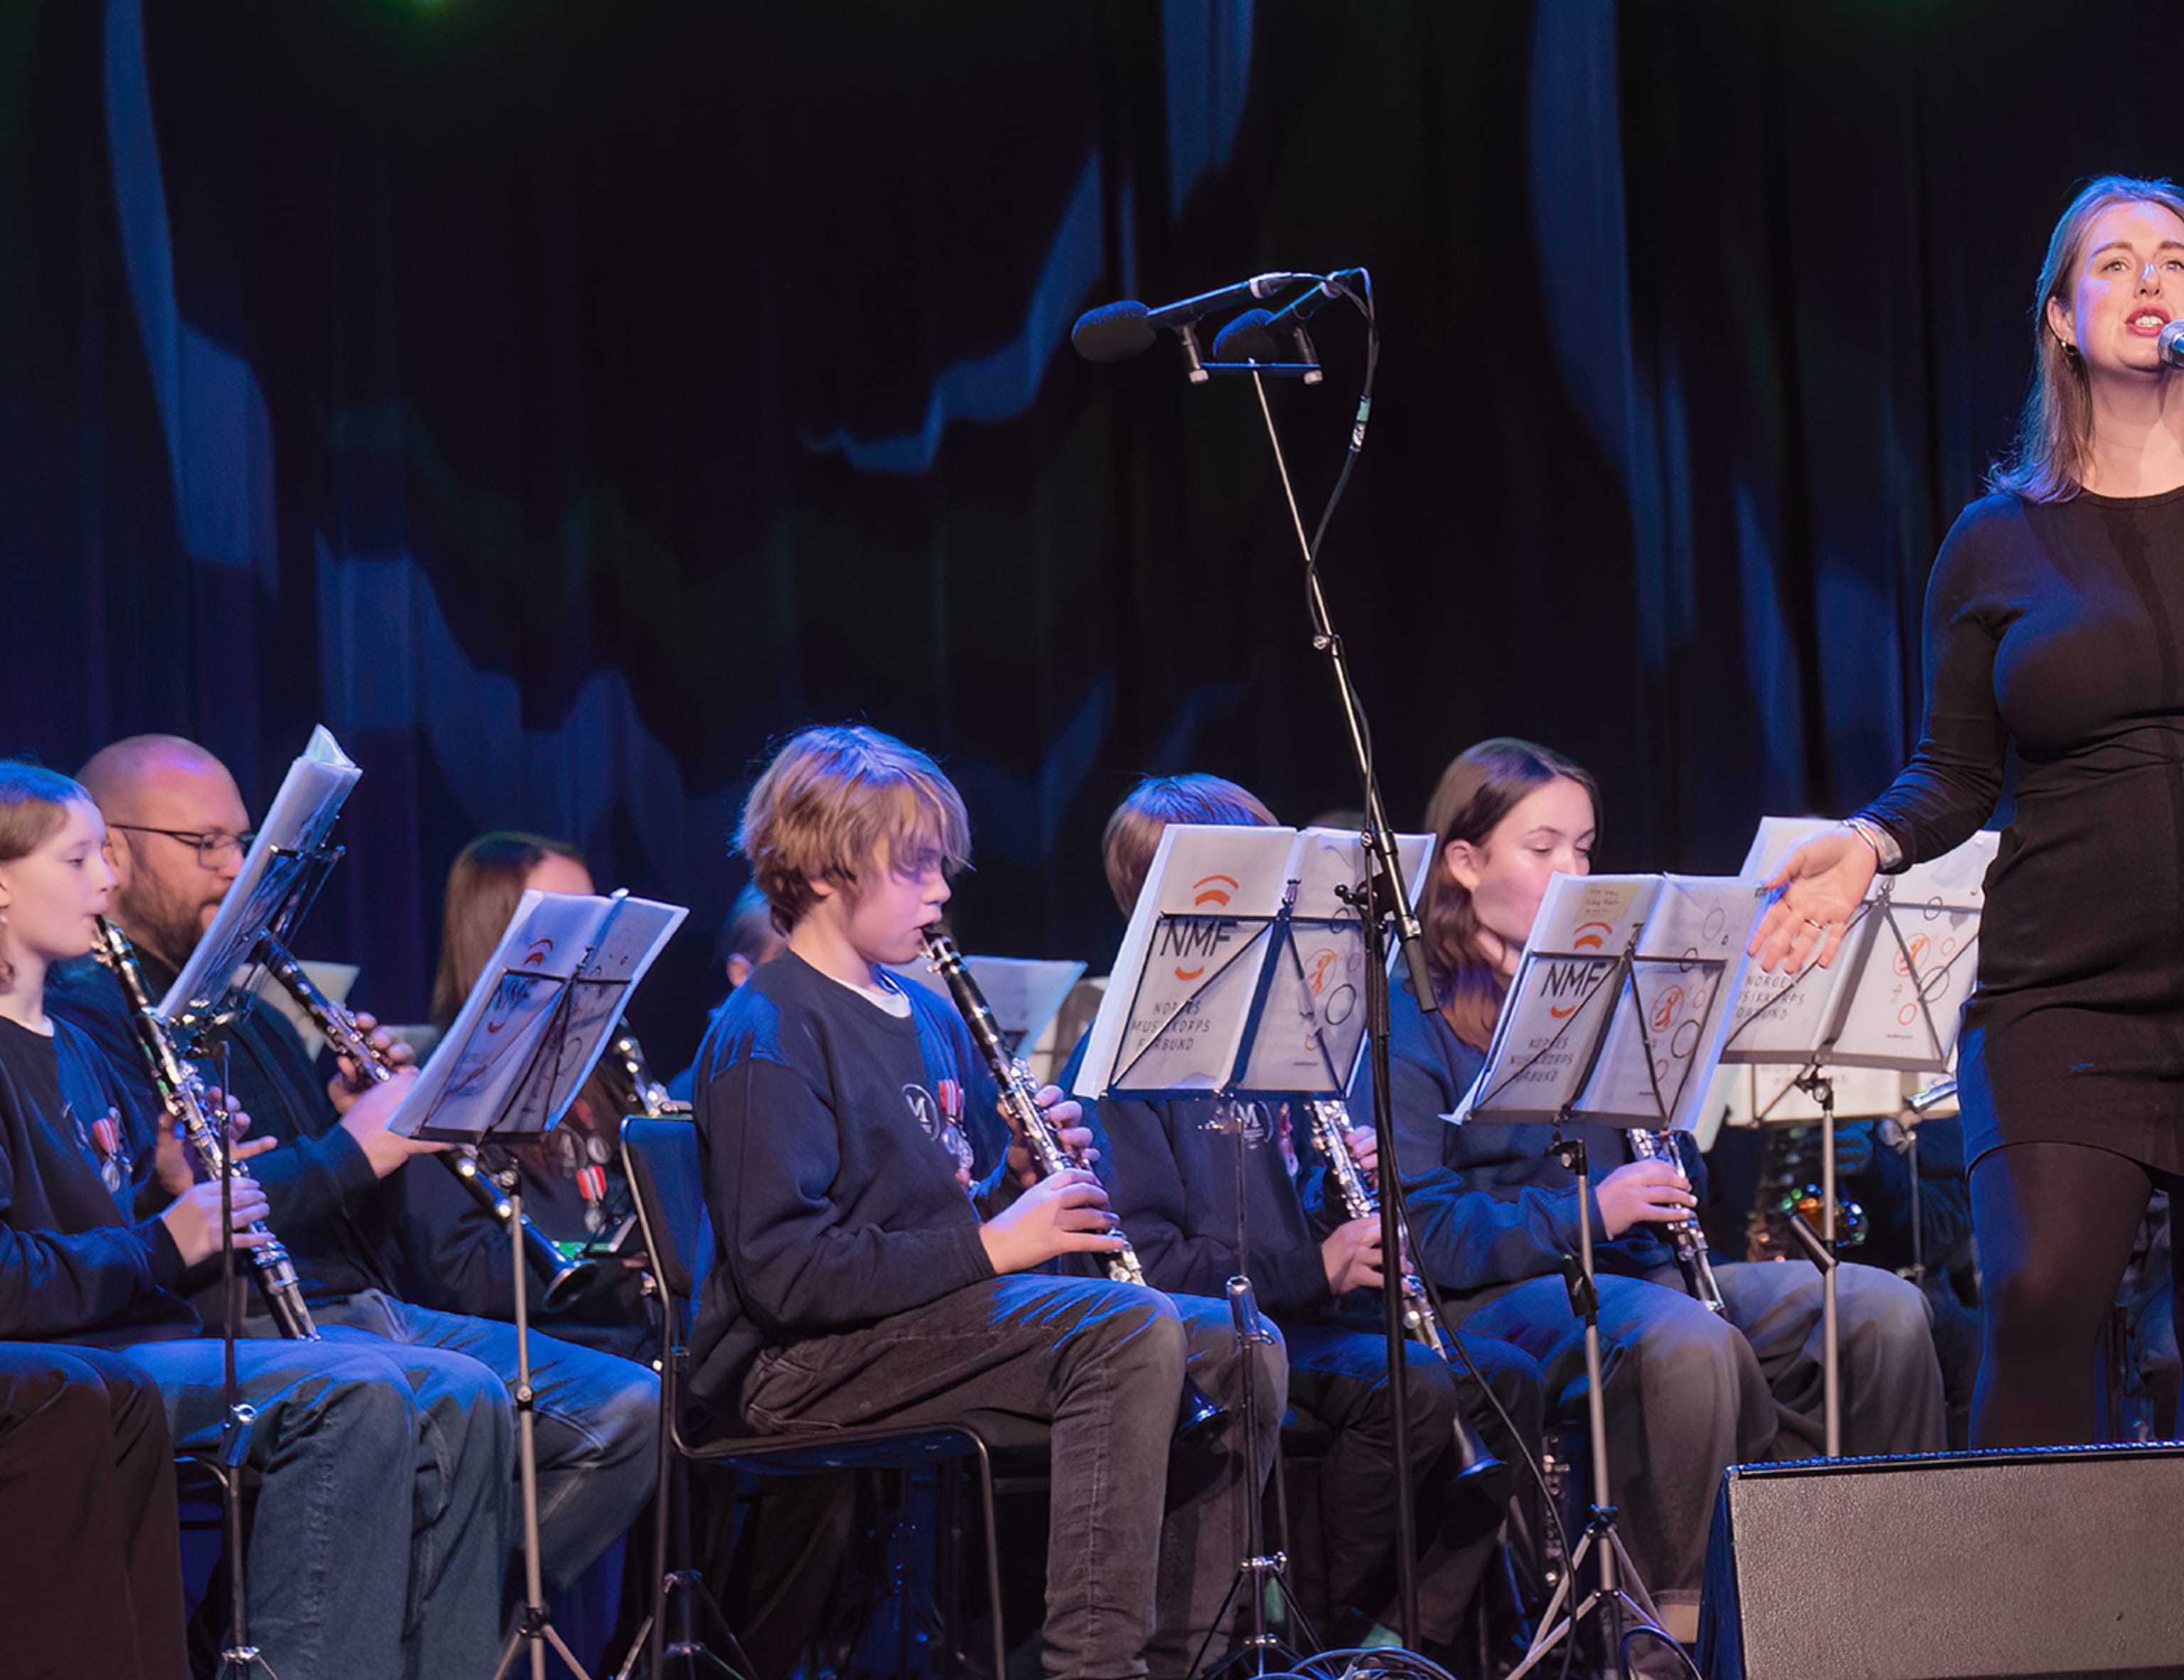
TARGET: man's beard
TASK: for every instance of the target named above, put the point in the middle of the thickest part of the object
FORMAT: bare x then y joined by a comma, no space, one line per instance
168,926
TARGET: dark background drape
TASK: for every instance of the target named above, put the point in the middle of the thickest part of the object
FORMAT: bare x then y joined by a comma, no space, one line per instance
560,400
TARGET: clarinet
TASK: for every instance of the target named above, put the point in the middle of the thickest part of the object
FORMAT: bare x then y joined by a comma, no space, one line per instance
1019,1089
1331,1131
1690,1242
181,1094
560,1278
1020,1097
651,1096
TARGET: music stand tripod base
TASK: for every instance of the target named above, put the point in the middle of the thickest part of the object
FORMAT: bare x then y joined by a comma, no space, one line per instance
1621,1595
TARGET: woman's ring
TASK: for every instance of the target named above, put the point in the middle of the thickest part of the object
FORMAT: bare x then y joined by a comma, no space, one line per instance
1810,922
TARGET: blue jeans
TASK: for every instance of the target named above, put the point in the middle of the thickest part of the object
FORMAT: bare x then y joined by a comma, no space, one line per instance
598,1423
377,1544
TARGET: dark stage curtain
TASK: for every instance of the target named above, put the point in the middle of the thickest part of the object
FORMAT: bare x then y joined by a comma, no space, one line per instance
561,400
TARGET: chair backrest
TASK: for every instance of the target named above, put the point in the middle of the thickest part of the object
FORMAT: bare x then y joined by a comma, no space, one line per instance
660,1157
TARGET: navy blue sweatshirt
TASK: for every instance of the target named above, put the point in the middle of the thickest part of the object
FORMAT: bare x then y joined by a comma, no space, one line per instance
1170,1169
1489,1207
830,1134
76,1264
321,1196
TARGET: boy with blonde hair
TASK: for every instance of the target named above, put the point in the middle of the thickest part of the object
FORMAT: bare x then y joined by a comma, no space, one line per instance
843,1117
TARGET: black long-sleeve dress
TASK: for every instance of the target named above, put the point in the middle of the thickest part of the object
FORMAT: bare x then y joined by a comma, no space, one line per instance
2052,632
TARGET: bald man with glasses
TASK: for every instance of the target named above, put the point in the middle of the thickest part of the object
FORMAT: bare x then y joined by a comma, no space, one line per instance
177,832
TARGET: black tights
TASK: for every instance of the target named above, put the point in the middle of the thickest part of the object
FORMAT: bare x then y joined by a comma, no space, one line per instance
2055,1224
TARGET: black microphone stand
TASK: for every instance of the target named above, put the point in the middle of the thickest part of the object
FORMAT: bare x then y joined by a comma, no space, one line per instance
1381,898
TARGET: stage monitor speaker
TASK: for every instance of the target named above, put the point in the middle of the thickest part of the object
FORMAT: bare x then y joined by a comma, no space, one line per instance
2062,1561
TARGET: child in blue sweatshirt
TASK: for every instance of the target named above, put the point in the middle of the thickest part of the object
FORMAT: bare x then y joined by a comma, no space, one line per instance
877,1233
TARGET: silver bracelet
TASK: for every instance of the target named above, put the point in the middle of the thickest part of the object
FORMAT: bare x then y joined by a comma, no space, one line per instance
1886,854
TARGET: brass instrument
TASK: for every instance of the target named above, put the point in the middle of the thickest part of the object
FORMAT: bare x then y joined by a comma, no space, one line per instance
560,1279
1784,1193
1330,1132
181,1094
1684,1235
1020,1097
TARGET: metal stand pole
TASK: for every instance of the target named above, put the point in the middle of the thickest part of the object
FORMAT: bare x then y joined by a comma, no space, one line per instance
238,1659
1621,1593
535,1631
1816,1085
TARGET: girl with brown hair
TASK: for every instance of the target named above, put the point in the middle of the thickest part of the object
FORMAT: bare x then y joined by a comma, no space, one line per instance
1494,1216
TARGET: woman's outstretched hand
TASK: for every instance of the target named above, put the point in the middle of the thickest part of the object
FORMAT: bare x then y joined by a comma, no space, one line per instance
1822,883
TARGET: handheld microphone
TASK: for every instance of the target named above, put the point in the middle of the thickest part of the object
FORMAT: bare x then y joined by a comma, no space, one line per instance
1116,330
2171,345
1253,335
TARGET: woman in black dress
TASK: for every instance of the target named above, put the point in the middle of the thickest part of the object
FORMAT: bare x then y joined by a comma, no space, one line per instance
2053,622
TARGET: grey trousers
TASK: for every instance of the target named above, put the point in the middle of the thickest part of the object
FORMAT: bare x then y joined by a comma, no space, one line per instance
1688,1394
1142,1541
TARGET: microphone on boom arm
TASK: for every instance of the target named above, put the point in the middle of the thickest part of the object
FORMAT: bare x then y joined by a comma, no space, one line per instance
1255,335
1116,332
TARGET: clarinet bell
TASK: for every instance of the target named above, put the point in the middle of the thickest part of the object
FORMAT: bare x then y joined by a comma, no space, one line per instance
1483,1487
1199,1416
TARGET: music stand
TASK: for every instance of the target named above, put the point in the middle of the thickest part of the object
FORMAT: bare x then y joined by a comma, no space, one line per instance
521,1048
1892,998
1616,1017
1242,974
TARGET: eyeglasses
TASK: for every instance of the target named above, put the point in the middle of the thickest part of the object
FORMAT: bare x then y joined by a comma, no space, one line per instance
213,849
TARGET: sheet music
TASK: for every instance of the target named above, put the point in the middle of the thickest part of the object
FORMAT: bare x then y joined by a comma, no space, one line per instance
1175,1015
298,821
1024,993
563,971
1663,1031
1893,997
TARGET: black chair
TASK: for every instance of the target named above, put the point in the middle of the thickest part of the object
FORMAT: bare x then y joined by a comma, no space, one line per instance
660,1156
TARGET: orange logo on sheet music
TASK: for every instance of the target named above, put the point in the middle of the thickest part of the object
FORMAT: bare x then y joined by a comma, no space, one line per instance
1590,935
1200,936
541,949
1666,1008
1917,945
1316,967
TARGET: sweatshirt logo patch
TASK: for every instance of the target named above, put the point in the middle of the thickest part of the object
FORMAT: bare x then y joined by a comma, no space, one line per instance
101,1140
939,1117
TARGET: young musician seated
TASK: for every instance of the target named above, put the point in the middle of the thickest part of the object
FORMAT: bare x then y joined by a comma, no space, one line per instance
848,1127
453,1255
175,825
1171,1170
1493,1215
379,1536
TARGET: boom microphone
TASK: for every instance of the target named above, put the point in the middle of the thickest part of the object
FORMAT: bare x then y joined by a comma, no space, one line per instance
1116,330
1253,335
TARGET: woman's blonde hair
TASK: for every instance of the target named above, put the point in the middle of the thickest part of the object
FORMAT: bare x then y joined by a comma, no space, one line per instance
834,793
2047,461
1481,786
